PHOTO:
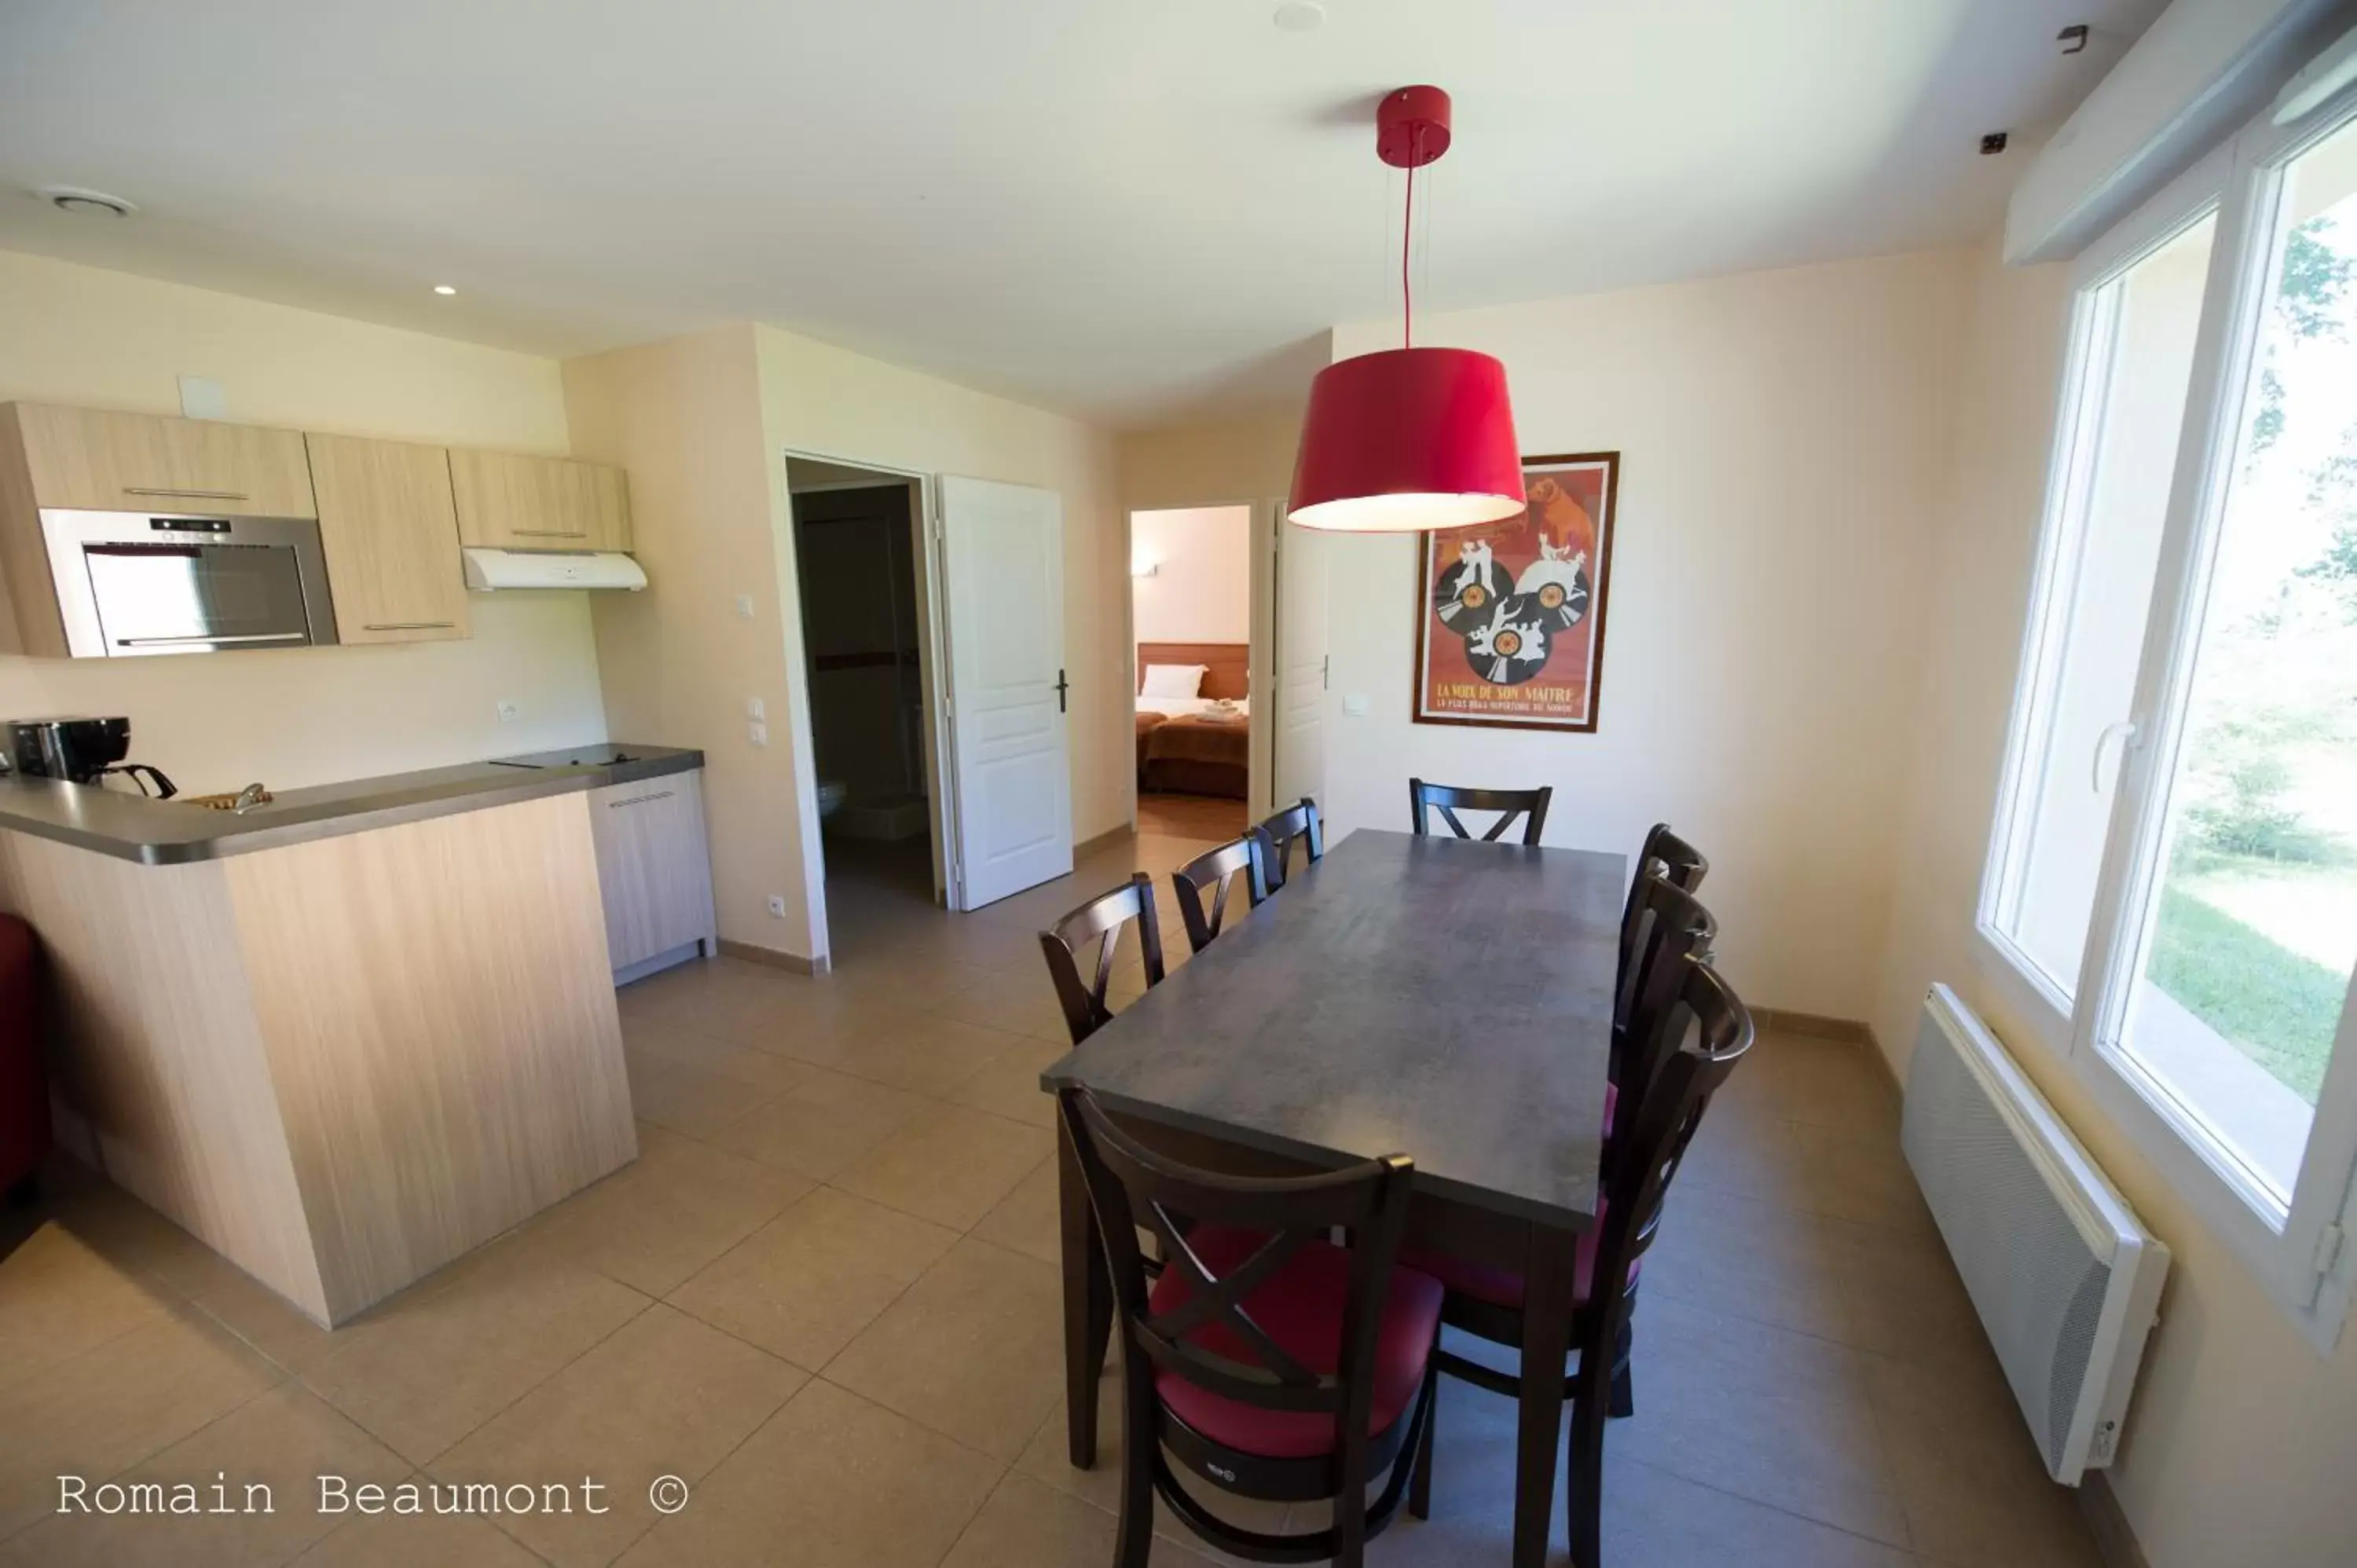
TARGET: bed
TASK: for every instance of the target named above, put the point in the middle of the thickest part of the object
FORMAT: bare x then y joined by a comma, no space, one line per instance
1199,745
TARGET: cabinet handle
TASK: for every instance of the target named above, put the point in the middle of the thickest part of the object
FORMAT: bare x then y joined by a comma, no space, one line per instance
198,495
240,638
408,625
550,533
640,799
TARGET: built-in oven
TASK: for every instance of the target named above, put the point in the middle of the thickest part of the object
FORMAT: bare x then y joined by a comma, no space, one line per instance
132,582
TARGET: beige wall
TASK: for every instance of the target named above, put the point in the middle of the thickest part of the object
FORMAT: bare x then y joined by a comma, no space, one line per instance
1784,446
1204,463
1200,587
703,425
78,335
2241,1438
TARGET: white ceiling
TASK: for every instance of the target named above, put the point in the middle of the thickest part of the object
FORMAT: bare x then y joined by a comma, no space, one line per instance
1123,208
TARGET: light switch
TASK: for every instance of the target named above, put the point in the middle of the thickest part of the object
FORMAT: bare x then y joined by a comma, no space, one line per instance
744,606
758,734
1355,703
756,709
507,712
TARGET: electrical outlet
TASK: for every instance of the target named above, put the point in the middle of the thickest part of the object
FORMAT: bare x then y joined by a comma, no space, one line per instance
756,710
777,906
758,734
508,712
1355,703
744,606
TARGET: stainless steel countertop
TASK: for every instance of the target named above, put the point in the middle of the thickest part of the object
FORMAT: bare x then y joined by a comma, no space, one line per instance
171,832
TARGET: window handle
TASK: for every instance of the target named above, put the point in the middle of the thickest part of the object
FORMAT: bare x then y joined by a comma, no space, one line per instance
2125,731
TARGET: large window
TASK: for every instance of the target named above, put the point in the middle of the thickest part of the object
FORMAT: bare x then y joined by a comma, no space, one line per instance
2174,866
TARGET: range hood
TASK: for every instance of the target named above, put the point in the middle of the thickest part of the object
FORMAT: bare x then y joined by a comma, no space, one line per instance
491,569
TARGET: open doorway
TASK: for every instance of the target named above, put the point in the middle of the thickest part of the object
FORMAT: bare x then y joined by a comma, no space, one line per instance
1191,616
860,565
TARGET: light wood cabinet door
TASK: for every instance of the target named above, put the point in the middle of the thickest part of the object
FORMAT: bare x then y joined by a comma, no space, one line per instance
103,461
654,872
510,501
390,531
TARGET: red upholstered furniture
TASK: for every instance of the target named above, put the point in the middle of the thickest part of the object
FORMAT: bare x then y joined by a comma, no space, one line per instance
1269,1361
24,1088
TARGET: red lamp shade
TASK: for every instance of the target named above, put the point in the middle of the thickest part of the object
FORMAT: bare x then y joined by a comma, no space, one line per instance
1406,440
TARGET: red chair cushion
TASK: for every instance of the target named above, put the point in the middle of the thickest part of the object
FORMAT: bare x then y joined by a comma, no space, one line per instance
1299,1306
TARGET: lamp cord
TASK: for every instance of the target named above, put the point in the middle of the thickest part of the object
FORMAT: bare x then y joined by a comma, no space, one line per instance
1407,232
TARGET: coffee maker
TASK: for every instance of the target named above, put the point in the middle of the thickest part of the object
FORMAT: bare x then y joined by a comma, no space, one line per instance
81,751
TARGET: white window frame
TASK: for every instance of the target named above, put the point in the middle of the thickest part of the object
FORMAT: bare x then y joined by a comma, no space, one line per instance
2302,1259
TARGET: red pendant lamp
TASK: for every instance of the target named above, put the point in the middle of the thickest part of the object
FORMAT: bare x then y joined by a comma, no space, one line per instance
1408,439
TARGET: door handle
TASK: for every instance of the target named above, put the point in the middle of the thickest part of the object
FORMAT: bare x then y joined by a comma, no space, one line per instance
1062,686
197,495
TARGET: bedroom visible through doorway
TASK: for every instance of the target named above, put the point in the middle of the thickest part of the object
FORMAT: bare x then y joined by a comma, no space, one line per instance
1191,591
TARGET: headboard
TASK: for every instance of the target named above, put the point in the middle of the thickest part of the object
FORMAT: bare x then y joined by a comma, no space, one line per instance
1225,664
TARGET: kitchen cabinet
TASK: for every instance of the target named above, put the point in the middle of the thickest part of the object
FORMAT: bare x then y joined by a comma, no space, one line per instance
510,501
103,461
655,870
389,528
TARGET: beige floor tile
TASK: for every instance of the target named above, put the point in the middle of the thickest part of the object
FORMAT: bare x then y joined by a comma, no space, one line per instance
283,1441
822,1124
114,1405
929,1054
949,1164
1778,1417
973,1349
1029,1524
59,1297
1030,1219
1903,1298
689,1099
427,1368
659,1042
388,1540
832,1481
1753,1260
1860,1177
1010,1085
657,1220
1975,1488
805,1285
666,1396
1015,1000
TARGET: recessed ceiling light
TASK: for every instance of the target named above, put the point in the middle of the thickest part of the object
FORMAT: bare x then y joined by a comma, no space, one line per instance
76,199
445,288
1300,15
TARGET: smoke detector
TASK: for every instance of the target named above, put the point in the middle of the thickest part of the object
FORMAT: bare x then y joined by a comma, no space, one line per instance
77,199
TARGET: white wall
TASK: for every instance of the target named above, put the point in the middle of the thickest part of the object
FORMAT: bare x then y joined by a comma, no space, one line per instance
81,335
2239,1444
1784,444
703,423
1201,589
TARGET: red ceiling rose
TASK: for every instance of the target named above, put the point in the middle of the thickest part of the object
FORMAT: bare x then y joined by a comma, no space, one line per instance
1408,439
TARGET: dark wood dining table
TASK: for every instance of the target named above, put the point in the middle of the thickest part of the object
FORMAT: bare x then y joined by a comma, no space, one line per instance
1444,999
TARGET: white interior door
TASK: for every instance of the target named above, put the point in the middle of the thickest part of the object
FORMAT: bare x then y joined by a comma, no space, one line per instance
1299,768
1003,554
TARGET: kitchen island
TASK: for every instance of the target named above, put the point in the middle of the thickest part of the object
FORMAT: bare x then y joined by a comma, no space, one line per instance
347,1037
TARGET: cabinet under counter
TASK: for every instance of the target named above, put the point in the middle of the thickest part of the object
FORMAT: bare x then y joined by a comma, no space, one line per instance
349,1044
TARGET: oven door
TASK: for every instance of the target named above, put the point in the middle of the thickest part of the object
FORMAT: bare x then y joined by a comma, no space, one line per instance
130,586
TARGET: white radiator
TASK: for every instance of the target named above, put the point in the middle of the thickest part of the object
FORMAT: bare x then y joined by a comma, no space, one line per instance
2065,1279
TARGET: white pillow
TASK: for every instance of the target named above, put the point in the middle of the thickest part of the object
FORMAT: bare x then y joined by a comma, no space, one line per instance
1173,680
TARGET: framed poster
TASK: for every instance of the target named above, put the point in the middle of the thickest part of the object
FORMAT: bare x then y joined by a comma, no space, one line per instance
1510,615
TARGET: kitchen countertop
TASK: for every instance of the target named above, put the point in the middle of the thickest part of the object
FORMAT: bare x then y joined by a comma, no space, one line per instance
171,832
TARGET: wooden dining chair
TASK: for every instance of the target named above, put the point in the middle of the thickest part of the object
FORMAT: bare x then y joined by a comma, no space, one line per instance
1673,926
1216,870
1269,1361
1300,821
1448,798
1665,852
1705,1031
1099,922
